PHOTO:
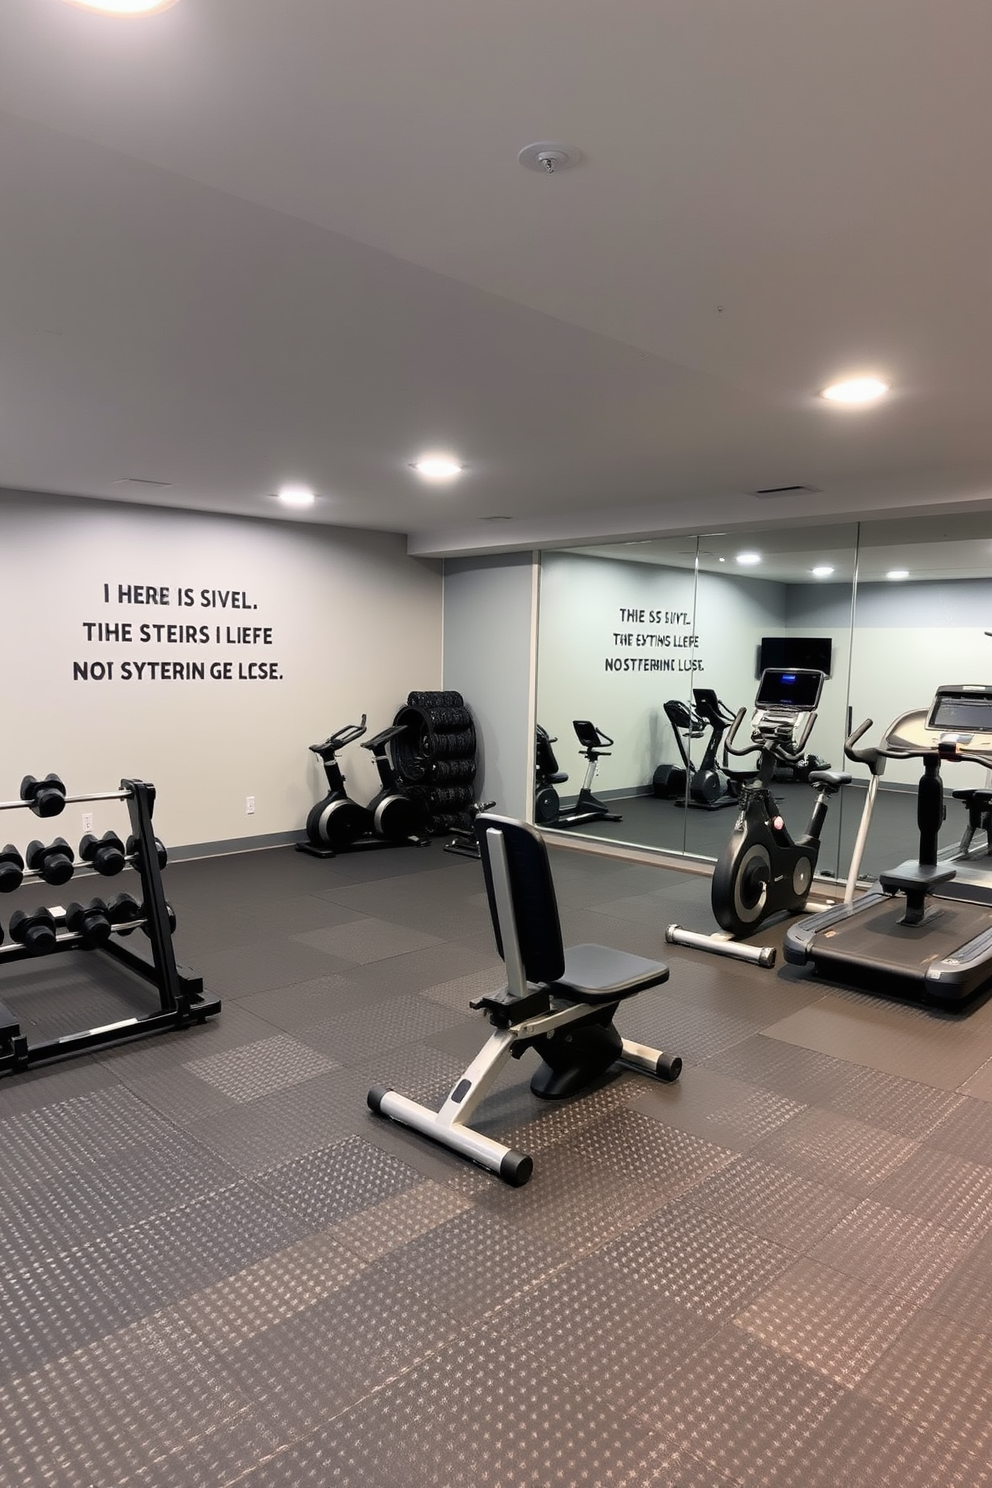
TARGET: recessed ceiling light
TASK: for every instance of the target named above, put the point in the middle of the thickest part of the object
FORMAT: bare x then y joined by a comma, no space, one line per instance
748,559
822,571
897,573
124,7
437,467
855,390
296,495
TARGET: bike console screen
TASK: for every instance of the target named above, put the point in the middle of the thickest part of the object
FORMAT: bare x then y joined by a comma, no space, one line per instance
799,691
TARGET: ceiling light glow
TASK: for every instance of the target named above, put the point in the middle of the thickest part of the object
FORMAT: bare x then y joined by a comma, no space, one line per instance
437,467
296,495
822,571
748,560
854,390
124,7
897,573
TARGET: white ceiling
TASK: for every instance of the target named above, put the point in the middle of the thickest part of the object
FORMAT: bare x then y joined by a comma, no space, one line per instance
251,240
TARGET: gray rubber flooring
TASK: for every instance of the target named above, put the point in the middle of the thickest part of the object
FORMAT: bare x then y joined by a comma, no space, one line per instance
219,1268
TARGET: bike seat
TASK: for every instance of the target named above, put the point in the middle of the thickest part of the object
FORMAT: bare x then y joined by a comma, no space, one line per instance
982,798
832,779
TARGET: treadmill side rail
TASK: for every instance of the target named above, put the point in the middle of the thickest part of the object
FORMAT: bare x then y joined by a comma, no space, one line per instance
800,936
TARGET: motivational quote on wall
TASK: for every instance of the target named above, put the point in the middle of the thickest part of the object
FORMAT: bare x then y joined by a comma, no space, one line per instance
222,648
641,645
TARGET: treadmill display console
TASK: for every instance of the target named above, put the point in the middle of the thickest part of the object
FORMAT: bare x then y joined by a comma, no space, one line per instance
799,691
961,709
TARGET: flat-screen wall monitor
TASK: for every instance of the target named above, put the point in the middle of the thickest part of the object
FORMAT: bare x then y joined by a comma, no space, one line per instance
800,653
799,690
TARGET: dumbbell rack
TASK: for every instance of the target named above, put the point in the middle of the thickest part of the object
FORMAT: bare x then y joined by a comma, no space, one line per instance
181,997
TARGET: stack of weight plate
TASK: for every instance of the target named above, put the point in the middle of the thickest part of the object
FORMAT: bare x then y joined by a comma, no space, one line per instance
435,758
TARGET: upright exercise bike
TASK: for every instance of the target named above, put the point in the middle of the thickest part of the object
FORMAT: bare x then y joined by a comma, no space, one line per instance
763,871
588,807
547,802
338,824
709,786
669,782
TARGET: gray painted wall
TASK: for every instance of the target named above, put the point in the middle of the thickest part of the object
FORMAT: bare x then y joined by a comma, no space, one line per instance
489,619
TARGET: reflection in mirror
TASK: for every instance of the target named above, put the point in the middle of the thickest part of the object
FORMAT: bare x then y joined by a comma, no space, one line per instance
777,599
659,642
616,643
924,605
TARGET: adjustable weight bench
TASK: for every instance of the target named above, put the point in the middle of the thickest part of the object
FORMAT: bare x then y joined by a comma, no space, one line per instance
558,1002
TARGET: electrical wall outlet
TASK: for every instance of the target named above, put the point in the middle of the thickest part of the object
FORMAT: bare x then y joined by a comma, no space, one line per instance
87,821
249,805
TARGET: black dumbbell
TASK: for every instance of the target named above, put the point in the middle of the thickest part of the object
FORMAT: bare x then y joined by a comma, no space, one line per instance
134,852
122,909
172,920
35,931
91,923
45,797
105,854
11,869
53,863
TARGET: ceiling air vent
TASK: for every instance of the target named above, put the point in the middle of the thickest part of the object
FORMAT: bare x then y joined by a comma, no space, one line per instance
495,519
785,491
140,480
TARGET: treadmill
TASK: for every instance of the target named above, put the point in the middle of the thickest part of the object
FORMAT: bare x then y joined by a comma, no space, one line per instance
913,935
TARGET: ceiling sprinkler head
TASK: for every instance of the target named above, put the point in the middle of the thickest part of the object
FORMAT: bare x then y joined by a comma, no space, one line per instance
548,157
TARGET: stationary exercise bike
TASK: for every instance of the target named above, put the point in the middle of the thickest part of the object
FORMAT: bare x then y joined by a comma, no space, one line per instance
763,871
339,824
669,782
588,807
709,786
547,803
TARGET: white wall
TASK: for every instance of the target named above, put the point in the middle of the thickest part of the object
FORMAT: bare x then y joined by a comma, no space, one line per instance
349,624
489,623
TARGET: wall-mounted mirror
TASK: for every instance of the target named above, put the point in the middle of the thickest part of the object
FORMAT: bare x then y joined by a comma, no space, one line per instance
923,610
646,639
659,644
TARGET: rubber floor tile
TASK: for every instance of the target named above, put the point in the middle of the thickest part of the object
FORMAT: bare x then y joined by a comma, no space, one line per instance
307,1368
831,1149
389,1023
393,1222
484,1413
99,1415
966,1132
857,1444
335,1181
469,1265
944,1189
938,1376
215,1458
709,1265
828,1321
564,1322
254,1070
889,1248
793,1211
893,1037
714,1106
966,1295
740,1407
287,1124
366,940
